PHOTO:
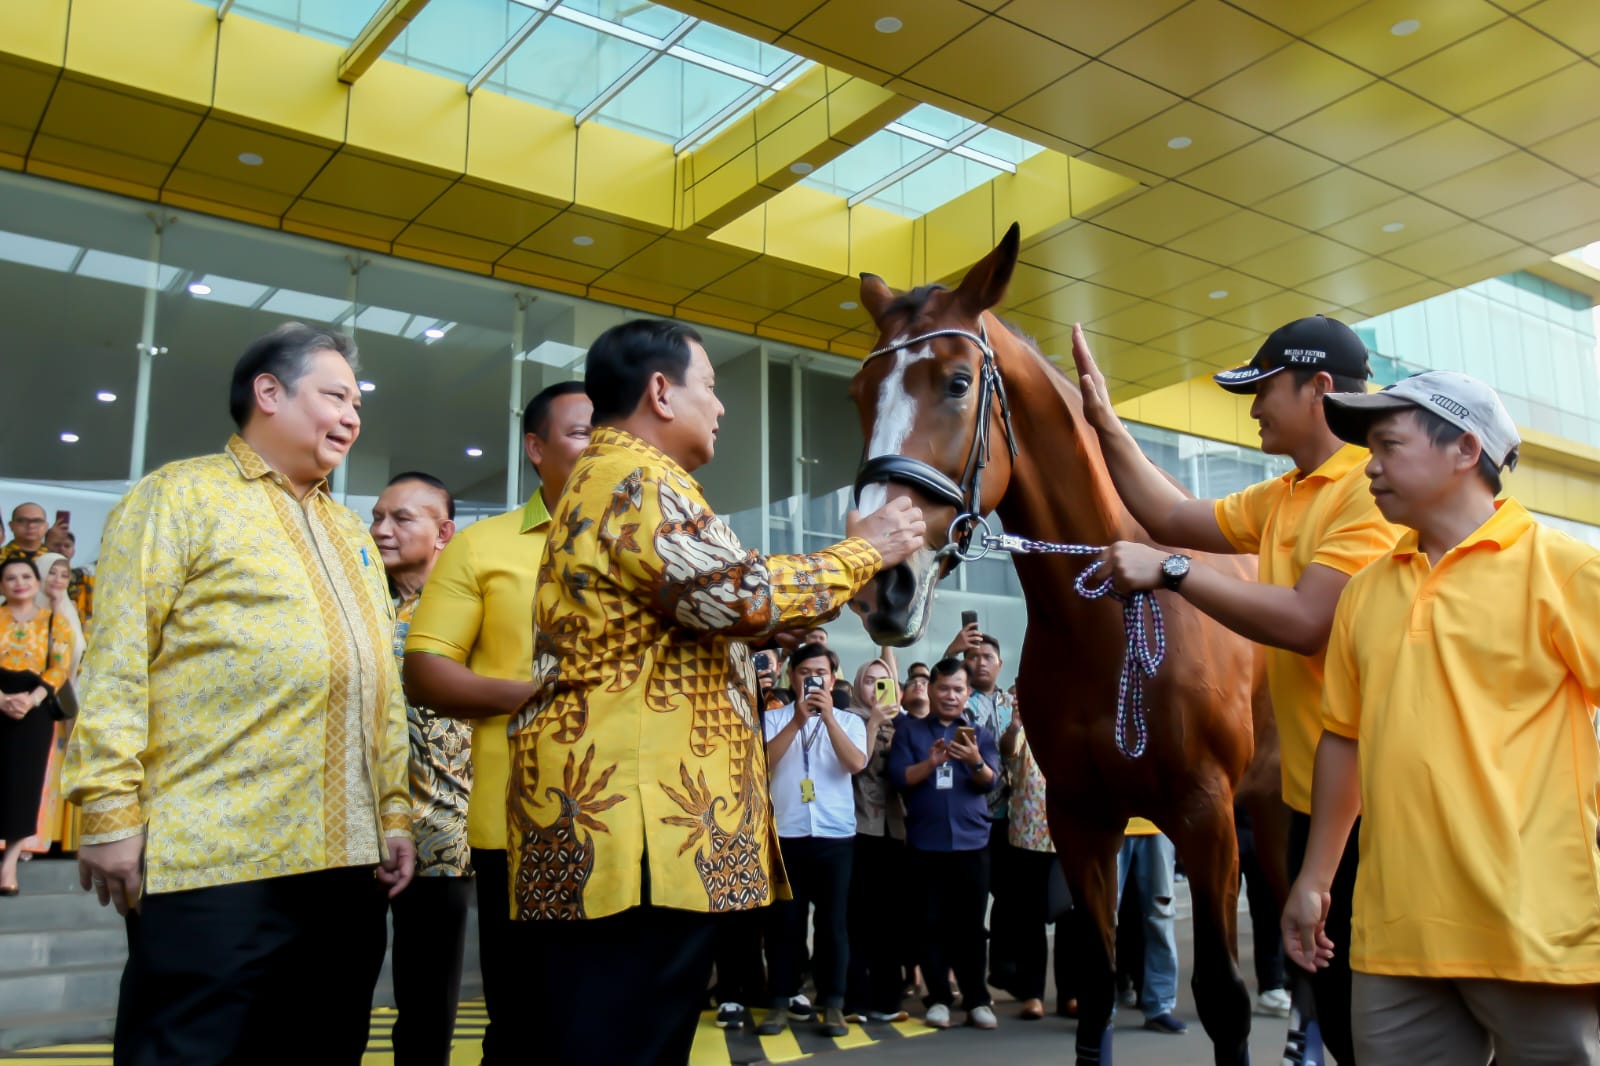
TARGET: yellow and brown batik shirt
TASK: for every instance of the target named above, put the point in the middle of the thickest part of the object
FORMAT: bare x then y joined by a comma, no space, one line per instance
239,703
644,743
441,774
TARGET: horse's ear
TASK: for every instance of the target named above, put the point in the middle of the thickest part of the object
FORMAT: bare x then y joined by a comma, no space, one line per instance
985,284
875,295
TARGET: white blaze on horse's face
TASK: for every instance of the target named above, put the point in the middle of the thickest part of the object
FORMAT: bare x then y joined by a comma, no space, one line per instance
896,416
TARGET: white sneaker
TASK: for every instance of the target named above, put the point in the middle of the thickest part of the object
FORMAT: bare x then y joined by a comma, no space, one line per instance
938,1016
982,1017
1274,1003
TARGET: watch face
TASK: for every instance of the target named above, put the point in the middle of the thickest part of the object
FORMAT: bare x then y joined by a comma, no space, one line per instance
1175,566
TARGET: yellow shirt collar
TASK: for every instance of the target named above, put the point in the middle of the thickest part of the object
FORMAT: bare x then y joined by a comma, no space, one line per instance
1502,529
251,466
1334,466
534,513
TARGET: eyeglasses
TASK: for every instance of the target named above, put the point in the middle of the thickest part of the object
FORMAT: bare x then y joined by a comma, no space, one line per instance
28,521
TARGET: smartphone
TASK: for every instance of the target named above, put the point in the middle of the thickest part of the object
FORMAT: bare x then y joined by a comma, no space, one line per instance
969,618
63,518
966,734
763,661
886,691
810,685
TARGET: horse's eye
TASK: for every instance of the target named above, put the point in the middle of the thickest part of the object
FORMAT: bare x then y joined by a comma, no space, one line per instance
960,384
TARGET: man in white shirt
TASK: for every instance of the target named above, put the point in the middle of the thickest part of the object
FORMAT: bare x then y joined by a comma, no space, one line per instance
812,752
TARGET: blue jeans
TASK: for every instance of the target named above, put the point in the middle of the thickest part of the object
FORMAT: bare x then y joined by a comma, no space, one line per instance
1149,860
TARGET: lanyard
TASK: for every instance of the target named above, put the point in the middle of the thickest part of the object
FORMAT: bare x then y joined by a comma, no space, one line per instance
807,741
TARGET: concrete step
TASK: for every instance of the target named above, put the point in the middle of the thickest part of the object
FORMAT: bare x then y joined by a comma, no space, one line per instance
89,987
44,948
52,1029
41,876
32,911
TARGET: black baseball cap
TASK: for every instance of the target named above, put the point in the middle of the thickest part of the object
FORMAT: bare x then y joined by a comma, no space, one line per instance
1314,343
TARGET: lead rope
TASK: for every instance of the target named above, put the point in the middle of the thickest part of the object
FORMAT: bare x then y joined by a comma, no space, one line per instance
1147,640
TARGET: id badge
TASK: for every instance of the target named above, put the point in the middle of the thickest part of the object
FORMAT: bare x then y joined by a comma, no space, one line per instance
944,776
808,790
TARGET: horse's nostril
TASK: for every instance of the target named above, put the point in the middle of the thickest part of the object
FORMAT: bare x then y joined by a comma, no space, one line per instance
897,587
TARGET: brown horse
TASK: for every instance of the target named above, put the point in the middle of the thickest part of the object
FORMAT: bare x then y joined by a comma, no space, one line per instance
955,440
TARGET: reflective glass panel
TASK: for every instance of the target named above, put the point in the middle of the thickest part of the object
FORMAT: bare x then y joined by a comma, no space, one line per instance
1006,146
646,18
735,48
671,98
927,187
870,161
339,21
926,118
564,65
455,38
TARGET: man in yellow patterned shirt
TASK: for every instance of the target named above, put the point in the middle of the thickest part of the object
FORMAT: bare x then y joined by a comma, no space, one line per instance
240,753
638,808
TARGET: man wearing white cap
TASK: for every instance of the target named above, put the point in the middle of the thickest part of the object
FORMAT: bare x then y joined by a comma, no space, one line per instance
1460,676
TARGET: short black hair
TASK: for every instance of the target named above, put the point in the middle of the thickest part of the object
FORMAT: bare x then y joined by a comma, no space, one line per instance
1442,434
622,359
15,560
1341,382
949,668
914,667
807,652
285,353
15,511
431,482
993,642
536,416
68,534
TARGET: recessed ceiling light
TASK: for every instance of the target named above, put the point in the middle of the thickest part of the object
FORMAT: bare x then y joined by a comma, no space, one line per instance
1177,144
433,333
801,168
69,438
583,240
105,396
200,288
1393,227
1218,294
1405,27
250,159
367,386
474,452
849,305
888,24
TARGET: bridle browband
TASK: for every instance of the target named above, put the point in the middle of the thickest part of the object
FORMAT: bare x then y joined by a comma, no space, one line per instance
967,495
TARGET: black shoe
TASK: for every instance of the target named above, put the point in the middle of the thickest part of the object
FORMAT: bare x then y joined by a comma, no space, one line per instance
730,1016
1166,1023
801,1010
833,1023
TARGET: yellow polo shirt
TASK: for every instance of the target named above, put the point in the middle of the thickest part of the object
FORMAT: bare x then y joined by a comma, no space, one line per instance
1469,688
1140,827
477,608
1326,517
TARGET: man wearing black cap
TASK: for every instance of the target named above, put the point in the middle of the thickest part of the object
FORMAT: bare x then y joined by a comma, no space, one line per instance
1311,529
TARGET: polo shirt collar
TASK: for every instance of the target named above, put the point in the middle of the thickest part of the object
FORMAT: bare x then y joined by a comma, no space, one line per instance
1502,529
252,467
612,437
1335,466
534,513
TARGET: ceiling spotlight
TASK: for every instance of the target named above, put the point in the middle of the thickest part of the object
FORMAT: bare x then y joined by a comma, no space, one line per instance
1405,27
69,438
106,397
849,305
474,452
367,386
583,240
433,333
888,24
250,159
1178,144
1218,294
1393,227
199,288
801,168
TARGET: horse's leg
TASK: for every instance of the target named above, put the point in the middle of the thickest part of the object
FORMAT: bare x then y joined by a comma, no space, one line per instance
1204,834
1089,857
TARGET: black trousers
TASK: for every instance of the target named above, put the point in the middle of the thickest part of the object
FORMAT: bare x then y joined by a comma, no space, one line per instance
1031,902
1005,930
228,974
819,875
430,935
1265,934
955,886
503,957
878,934
1331,986
741,977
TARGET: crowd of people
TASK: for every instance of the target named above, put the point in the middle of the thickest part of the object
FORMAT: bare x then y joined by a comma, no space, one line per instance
627,736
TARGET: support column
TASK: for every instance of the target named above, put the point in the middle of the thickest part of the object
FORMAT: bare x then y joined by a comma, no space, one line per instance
519,325
340,482
147,349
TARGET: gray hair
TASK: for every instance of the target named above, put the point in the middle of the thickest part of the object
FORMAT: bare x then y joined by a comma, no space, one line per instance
285,353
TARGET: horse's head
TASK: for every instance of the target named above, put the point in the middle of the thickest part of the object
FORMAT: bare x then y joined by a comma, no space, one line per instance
937,426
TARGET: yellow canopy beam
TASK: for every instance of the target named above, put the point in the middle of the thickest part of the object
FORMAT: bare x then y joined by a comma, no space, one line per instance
387,23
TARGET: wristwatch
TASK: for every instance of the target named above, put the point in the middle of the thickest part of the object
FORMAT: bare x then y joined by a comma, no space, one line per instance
1174,568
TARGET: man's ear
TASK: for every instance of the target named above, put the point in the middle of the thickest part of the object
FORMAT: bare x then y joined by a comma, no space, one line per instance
533,448
447,529
269,393
1468,450
658,394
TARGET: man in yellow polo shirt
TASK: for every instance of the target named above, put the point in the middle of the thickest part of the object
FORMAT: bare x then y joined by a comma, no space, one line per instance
469,654
1311,529
1462,673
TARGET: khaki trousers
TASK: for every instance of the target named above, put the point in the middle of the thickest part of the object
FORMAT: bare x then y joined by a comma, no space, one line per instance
1422,1021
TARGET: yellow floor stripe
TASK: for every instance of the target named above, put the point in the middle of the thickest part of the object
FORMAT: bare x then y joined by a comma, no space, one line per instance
912,1027
783,1048
710,1043
856,1037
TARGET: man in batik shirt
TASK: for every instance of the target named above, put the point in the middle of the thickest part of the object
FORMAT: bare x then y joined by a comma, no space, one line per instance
638,806
412,521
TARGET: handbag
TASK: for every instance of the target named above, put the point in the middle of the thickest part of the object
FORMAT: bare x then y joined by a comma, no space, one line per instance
63,702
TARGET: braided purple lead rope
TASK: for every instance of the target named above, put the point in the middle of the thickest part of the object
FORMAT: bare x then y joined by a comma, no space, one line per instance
1143,655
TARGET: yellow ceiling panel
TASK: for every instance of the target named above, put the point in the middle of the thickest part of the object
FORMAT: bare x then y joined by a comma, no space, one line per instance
1577,150
24,91
1331,198
275,76
1433,155
1404,296
838,303
1202,134
1567,98
1216,292
486,214
1091,104
687,263
36,30
1572,22
1470,72
764,283
1143,322
1083,250
764,22
799,326
1362,282
1297,16
926,25
721,307
1264,316
1198,45
1134,364
14,147
452,243
1090,26
1258,170
1022,64
649,288
1031,282
1033,326
165,50
551,266
1236,237
1550,214
93,159
1155,271
1569,240
357,181
1363,122
586,239
286,166
1165,212
1288,84
1506,181
345,220
1079,302
1467,243
1416,218
118,122
1305,257
222,191
1208,338
1365,37
408,113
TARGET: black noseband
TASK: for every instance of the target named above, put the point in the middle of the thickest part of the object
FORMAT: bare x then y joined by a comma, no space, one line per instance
934,484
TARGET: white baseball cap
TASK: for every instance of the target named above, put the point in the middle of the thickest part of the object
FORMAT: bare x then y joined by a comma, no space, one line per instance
1463,401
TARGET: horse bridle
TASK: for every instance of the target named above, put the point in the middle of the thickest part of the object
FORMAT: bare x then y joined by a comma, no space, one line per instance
967,495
